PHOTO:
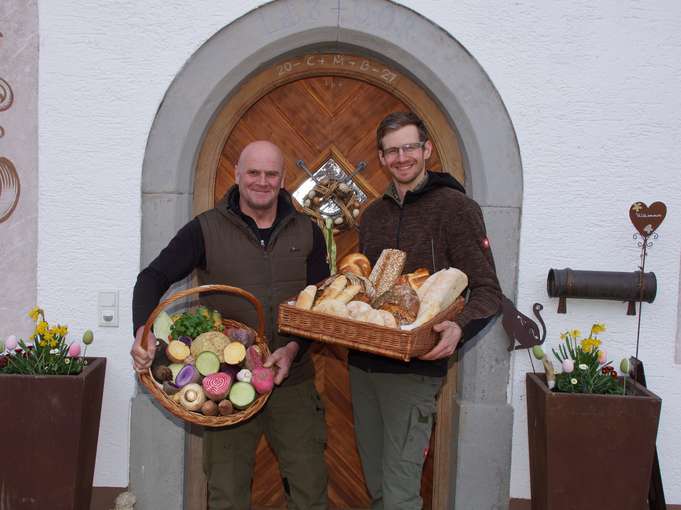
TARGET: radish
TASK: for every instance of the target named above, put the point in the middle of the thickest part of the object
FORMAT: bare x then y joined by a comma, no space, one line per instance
262,378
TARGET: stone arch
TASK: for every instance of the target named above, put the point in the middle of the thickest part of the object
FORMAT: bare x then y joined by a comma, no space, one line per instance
482,417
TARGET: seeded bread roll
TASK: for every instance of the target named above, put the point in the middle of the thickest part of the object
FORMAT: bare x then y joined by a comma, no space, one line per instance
387,270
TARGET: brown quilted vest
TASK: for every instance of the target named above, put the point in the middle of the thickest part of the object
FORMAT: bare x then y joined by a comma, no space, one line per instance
273,273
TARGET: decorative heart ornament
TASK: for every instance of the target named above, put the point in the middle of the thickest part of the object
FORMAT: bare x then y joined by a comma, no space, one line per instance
647,219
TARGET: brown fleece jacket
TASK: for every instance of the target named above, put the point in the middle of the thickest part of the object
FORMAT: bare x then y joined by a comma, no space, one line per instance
438,226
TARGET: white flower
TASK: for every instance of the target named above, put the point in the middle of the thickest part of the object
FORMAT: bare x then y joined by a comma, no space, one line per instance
573,380
67,360
583,366
54,351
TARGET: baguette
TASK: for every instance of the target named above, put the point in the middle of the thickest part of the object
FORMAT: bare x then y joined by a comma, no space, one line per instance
306,297
334,289
387,270
348,293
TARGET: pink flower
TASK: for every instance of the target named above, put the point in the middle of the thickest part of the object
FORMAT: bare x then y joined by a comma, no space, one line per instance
74,350
568,366
601,357
11,343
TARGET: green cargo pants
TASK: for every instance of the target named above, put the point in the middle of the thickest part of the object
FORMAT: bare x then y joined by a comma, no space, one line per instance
293,422
393,416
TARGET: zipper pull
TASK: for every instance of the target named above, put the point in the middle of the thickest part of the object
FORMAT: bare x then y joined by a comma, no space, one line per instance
262,243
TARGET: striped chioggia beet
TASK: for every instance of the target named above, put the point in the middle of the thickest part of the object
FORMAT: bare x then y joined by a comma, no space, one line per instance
216,386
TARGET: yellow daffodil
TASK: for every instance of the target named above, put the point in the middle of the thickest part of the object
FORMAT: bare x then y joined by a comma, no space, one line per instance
34,313
597,328
41,328
590,344
575,334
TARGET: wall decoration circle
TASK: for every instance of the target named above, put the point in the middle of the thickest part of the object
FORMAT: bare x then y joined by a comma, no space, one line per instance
10,188
6,95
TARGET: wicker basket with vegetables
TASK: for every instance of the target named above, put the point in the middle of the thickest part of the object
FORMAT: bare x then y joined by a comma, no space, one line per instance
208,370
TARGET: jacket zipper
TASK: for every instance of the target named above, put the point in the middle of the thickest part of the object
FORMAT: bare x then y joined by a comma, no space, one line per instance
399,227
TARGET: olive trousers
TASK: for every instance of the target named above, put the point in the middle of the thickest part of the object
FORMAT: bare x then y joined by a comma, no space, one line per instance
394,416
293,422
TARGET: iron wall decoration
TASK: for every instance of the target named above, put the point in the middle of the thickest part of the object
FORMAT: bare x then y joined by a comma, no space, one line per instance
522,331
647,219
611,285
330,192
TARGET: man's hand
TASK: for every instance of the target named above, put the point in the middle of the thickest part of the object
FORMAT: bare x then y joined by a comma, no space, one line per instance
281,360
450,335
141,357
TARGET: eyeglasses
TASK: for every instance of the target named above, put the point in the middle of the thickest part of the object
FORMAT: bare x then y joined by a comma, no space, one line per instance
407,149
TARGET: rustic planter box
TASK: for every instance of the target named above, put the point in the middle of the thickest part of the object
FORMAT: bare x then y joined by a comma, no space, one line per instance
49,428
590,451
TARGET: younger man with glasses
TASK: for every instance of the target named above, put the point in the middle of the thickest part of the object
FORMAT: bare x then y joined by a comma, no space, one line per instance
427,215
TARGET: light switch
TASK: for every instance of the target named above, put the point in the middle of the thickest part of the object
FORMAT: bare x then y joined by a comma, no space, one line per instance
107,308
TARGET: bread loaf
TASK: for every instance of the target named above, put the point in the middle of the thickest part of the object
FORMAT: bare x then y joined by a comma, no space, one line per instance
418,277
387,270
438,292
306,297
355,263
401,301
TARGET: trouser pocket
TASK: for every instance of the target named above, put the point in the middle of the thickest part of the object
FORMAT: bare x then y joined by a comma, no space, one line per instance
415,448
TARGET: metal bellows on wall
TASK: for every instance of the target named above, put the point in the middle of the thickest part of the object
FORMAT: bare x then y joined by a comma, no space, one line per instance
631,287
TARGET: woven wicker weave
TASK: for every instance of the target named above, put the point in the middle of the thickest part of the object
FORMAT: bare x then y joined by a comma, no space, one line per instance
363,336
176,409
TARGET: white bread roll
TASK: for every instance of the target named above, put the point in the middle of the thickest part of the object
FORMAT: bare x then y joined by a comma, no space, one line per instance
355,308
372,316
388,319
332,307
306,297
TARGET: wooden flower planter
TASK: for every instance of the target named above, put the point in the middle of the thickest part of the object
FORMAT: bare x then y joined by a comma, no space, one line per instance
49,429
590,451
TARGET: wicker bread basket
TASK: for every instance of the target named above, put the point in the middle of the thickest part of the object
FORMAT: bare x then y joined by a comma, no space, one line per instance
363,336
176,409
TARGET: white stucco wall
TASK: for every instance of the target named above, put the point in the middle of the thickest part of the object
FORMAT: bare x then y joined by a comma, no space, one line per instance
592,90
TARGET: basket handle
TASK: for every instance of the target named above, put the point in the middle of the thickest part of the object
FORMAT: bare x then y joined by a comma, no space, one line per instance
199,290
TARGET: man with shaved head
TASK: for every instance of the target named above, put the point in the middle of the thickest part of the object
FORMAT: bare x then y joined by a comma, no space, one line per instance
253,239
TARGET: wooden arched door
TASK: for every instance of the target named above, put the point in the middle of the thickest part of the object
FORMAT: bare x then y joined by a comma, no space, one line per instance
315,107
